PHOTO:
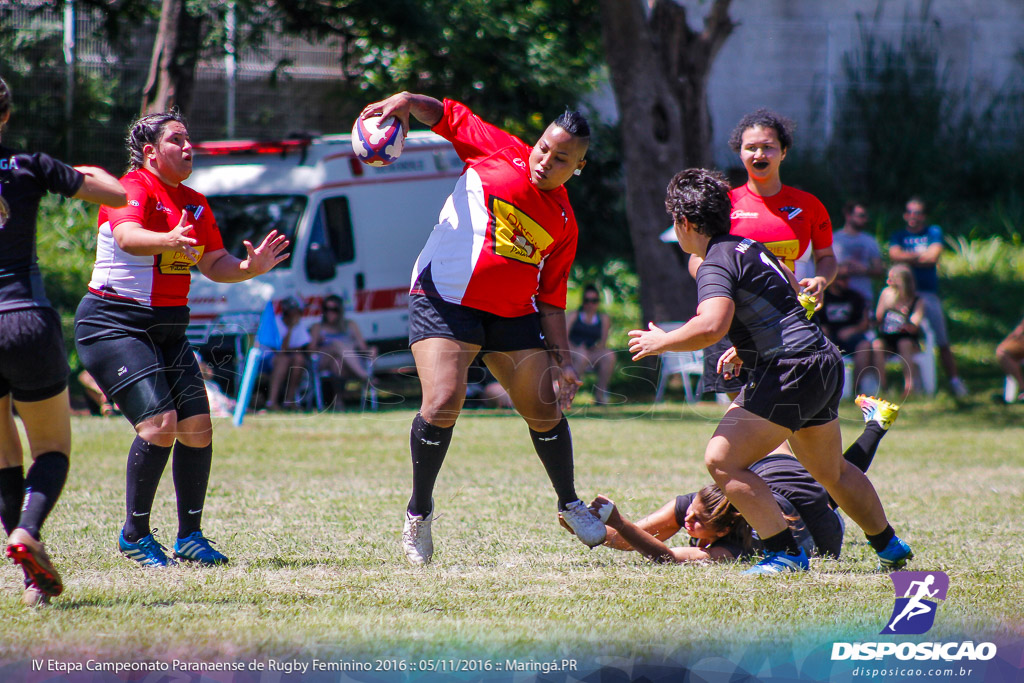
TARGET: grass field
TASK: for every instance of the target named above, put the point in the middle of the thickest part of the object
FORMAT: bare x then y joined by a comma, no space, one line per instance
309,509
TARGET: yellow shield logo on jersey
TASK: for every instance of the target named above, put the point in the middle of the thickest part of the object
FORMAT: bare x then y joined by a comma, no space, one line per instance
516,235
786,251
177,263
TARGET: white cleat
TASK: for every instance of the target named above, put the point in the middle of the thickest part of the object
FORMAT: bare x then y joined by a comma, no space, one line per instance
417,542
587,526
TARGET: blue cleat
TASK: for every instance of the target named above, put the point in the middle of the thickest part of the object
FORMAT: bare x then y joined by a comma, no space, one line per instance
196,548
777,563
896,554
147,551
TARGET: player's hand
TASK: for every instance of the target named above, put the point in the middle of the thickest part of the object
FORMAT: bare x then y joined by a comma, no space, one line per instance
605,510
730,363
815,286
643,343
398,105
568,384
178,239
263,258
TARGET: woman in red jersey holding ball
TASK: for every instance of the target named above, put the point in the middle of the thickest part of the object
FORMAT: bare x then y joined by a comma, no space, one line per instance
130,330
492,278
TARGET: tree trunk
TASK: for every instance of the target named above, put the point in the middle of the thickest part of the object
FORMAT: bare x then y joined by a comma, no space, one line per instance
659,69
173,64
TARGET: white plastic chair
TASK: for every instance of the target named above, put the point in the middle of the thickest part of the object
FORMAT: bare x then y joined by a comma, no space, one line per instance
686,364
925,362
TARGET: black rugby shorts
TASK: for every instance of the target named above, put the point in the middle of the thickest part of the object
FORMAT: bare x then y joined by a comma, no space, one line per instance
796,392
430,317
33,361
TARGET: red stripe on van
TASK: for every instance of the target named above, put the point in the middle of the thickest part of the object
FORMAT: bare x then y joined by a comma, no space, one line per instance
380,299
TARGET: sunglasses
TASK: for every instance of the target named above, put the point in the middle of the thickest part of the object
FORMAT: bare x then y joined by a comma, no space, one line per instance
332,309
591,301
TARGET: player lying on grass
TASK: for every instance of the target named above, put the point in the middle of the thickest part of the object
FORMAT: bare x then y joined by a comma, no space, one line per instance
717,531
795,378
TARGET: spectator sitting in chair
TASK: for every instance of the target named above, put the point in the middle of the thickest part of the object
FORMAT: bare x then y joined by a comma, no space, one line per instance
340,339
588,341
844,319
900,314
289,362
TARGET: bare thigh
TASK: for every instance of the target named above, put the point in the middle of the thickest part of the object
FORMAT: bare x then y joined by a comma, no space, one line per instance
442,366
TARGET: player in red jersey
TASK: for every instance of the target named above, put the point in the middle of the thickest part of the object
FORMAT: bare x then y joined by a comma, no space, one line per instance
492,278
130,330
33,361
792,223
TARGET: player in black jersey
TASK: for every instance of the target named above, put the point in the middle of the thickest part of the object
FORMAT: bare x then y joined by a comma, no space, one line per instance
33,363
795,376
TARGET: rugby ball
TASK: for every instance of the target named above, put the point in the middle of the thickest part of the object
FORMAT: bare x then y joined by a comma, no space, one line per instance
376,142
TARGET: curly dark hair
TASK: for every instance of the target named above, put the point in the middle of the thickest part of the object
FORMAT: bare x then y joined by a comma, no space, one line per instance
763,118
702,197
146,130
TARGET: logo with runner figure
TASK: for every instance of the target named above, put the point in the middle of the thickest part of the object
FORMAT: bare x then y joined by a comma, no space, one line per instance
917,594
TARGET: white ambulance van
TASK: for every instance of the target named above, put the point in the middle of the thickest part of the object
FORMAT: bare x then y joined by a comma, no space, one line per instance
355,231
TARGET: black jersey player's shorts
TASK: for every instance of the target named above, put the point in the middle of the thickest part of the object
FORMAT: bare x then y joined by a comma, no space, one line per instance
803,391
140,357
33,361
433,317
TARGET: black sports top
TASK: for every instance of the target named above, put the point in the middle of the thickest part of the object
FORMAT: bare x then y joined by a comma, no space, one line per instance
769,321
24,179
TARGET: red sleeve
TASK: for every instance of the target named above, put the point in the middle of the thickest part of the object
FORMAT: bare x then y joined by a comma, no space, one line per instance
139,205
472,137
554,276
821,228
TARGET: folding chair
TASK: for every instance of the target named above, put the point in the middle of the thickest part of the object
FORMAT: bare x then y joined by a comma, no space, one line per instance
318,373
268,340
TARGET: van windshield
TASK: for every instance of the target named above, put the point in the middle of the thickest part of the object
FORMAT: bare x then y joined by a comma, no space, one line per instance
250,217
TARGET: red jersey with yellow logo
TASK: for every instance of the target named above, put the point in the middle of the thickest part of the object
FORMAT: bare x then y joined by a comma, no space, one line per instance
500,244
786,223
163,279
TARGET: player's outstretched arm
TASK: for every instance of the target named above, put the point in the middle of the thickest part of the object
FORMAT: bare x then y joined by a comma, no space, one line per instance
100,187
220,266
424,108
641,541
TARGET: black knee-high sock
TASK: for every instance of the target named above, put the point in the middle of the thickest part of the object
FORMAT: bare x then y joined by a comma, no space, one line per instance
191,470
12,493
428,444
555,451
146,463
43,484
861,452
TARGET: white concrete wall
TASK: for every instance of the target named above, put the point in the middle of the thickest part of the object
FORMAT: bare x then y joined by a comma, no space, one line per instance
787,55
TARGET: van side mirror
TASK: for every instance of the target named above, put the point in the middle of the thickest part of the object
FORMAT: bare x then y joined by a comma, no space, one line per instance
320,265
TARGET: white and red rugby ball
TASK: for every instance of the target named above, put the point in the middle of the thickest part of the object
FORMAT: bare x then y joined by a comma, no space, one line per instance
376,142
